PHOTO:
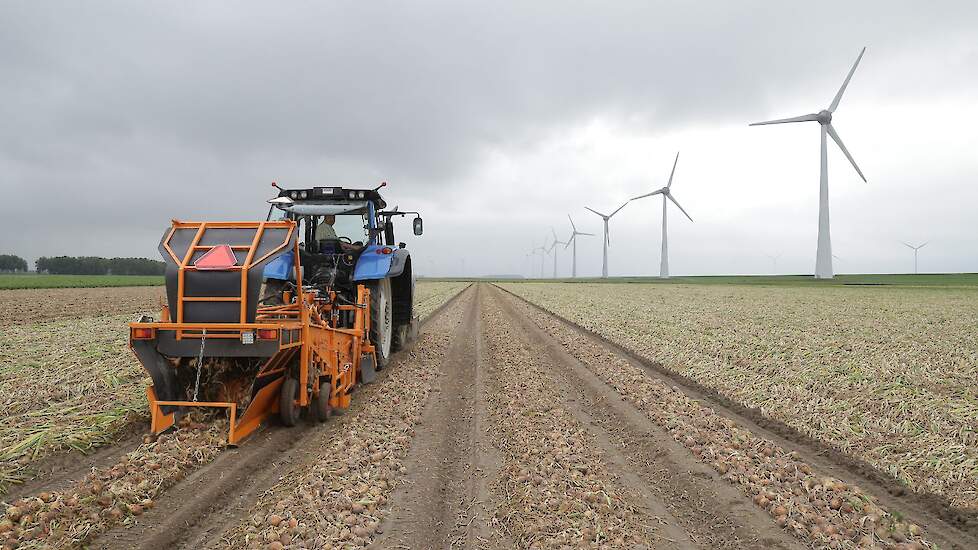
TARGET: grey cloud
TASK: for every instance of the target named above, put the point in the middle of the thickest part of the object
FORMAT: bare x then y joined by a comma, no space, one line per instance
191,109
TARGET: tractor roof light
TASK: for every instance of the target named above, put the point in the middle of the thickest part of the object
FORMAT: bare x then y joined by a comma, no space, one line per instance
385,250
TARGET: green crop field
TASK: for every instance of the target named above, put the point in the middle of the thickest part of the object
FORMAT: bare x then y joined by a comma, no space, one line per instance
34,280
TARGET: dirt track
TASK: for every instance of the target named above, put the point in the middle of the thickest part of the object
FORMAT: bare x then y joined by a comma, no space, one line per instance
506,427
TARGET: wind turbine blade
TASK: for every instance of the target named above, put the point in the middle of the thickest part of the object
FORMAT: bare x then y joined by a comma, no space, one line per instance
588,234
923,245
838,141
570,240
554,231
674,163
595,211
838,96
908,245
572,222
802,118
669,196
647,195
619,208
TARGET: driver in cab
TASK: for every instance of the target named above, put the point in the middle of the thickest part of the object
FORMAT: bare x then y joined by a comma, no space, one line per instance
326,232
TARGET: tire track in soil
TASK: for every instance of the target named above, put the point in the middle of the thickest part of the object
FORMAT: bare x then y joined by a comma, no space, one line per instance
561,486
198,511
693,506
947,528
444,500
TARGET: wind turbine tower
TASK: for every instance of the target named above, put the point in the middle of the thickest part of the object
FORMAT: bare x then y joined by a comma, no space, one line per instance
774,258
538,250
915,249
666,194
607,239
553,248
573,240
823,254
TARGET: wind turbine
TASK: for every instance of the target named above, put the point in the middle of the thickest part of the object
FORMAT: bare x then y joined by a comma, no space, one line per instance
774,258
553,247
573,240
823,254
534,251
915,249
666,194
607,239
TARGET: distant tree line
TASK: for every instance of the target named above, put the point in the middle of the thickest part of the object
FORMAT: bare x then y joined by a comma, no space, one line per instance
9,262
94,265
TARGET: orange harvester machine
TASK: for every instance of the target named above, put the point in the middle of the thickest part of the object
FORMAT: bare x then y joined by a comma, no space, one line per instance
216,346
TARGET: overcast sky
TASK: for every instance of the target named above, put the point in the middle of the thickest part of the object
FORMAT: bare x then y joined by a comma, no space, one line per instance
496,120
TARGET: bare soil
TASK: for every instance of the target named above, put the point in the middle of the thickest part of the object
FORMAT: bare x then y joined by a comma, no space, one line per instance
30,305
444,500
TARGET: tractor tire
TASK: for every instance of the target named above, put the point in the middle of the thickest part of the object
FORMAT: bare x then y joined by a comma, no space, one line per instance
321,405
288,411
381,320
401,338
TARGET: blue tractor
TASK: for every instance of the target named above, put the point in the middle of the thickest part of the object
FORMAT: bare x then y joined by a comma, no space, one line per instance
346,238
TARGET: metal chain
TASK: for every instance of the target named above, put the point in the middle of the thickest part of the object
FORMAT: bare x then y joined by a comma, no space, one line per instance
200,360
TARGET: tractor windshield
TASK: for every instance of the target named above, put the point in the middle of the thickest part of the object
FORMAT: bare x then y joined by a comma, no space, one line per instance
352,226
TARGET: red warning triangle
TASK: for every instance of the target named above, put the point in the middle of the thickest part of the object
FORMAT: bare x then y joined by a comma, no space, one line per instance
216,259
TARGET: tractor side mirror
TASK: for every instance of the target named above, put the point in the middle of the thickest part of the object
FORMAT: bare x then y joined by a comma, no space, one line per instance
418,226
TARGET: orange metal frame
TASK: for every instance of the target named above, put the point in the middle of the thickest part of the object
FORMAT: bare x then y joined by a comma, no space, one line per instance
334,353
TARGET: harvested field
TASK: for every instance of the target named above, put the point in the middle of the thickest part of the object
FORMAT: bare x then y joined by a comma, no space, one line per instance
887,376
503,426
33,305
70,383
65,384
431,294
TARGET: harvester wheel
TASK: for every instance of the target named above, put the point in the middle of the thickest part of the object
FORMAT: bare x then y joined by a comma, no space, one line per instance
382,320
287,408
321,405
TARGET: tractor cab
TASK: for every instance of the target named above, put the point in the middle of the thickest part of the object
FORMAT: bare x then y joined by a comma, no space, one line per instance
346,235
346,239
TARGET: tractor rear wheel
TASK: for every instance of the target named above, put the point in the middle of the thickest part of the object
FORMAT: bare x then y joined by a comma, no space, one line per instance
321,405
400,340
288,410
382,320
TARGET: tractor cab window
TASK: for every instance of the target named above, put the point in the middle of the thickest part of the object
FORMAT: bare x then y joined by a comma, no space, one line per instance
351,226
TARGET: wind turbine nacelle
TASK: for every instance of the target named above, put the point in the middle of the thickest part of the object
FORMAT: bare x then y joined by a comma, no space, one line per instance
824,117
